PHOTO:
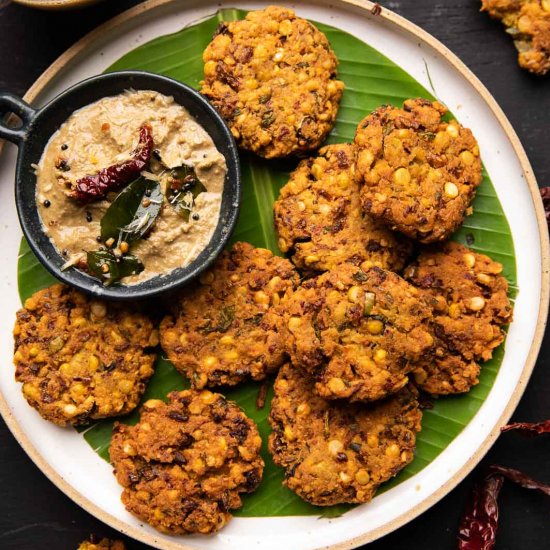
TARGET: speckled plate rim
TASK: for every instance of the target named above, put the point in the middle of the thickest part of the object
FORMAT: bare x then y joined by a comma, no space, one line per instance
361,8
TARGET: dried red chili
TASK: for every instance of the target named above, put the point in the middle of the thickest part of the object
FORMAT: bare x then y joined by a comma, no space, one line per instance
545,194
520,478
376,9
479,522
529,428
93,187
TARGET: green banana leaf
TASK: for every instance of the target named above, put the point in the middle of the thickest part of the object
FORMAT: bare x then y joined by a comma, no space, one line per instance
371,80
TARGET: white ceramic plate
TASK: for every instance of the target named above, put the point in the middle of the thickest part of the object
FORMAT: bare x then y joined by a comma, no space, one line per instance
71,464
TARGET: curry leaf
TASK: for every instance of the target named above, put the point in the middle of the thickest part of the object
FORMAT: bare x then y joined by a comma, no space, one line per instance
110,268
360,276
133,212
183,189
225,320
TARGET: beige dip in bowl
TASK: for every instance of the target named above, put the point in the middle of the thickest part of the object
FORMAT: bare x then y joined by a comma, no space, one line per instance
105,133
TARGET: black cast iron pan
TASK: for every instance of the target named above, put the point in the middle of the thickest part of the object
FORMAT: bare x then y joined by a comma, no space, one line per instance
39,125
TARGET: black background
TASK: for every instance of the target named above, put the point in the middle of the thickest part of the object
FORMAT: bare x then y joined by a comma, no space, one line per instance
34,514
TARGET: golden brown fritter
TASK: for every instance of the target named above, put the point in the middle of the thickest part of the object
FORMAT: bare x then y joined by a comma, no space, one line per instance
336,452
445,372
185,463
319,218
528,22
216,334
81,359
470,301
103,544
419,173
356,332
272,77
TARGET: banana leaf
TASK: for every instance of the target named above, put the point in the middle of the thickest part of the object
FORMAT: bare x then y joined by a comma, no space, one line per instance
371,79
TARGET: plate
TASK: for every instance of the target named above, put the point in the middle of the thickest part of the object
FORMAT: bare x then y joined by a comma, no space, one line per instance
69,462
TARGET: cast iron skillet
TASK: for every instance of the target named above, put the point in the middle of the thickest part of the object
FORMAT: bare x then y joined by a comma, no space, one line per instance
39,125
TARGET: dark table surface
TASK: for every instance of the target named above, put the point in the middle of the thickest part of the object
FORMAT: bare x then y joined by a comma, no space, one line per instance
34,514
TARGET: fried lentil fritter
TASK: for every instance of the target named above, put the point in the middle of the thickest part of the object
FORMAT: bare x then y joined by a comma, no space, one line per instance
185,462
272,77
446,372
103,544
528,22
216,334
334,452
80,359
319,218
470,301
419,173
358,333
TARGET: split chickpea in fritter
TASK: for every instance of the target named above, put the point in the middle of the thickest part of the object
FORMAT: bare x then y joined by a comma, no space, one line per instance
320,222
216,334
470,301
357,333
81,359
419,174
184,465
272,76
335,452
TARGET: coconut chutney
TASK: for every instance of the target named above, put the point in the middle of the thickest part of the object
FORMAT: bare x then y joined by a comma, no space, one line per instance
105,133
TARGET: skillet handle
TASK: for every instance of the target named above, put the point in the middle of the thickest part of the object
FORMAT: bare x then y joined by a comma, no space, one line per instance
10,103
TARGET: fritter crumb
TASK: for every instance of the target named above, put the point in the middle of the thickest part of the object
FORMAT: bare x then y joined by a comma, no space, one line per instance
81,359
336,452
185,463
272,76
419,173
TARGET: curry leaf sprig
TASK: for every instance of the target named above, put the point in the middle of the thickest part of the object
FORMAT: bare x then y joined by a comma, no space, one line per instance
183,189
129,217
133,212
109,267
